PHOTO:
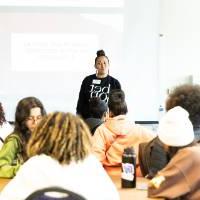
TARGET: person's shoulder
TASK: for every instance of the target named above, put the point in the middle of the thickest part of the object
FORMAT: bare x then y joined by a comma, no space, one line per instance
101,130
14,136
186,156
114,80
37,164
91,76
42,159
191,151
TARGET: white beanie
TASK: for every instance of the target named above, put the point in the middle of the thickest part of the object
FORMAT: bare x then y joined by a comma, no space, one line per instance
175,128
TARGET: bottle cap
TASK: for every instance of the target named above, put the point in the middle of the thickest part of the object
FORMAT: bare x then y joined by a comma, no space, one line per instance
129,150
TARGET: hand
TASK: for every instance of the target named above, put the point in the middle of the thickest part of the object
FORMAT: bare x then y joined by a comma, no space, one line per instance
156,182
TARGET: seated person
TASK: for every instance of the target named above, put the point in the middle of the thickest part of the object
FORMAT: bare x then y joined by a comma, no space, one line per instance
97,111
117,133
5,127
180,178
28,113
60,151
152,155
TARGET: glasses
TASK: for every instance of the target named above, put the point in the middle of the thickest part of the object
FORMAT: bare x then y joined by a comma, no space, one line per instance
34,119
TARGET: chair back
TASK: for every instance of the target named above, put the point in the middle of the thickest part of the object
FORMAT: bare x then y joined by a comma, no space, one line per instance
49,194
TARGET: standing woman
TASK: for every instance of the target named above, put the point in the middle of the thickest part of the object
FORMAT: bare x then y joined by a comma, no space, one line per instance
28,113
96,85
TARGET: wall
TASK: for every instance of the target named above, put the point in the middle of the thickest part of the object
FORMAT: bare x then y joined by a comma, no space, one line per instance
128,33
179,43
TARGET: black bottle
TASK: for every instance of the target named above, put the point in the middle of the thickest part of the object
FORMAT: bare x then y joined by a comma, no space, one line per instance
128,176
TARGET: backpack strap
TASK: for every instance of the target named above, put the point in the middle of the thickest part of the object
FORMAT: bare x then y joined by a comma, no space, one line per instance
40,194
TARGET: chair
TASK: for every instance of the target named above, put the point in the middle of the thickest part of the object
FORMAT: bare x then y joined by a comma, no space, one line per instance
44,194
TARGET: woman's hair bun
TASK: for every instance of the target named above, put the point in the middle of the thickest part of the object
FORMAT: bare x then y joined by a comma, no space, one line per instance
100,53
116,103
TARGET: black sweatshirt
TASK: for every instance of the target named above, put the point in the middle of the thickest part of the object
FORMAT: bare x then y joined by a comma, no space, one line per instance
94,87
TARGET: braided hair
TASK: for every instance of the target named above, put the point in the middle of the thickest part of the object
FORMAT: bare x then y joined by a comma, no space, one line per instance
63,136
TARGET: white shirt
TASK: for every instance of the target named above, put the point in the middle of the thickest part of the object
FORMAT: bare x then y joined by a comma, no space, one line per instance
5,130
87,178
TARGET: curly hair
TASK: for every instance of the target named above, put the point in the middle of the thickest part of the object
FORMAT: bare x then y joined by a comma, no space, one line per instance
2,115
188,97
63,136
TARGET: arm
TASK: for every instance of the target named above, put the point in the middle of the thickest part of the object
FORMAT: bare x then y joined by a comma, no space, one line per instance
24,183
81,99
171,182
99,144
8,154
118,85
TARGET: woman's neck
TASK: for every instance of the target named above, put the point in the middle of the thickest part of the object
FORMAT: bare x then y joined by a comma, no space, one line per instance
101,75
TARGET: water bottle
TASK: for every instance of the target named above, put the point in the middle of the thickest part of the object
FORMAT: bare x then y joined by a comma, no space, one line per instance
128,176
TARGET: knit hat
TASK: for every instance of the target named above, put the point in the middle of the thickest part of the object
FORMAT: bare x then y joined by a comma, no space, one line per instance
175,128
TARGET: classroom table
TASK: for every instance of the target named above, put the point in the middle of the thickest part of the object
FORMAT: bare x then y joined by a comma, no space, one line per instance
128,193
3,182
114,173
